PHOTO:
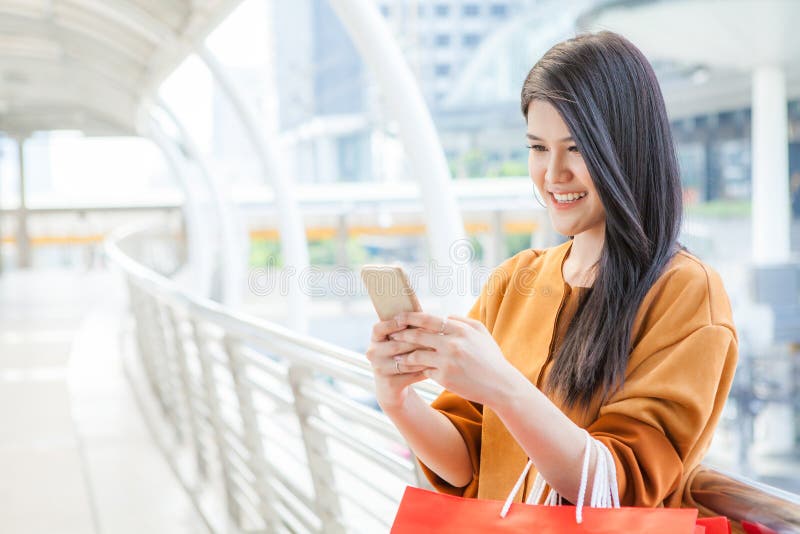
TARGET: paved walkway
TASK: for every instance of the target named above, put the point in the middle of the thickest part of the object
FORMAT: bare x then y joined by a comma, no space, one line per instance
75,454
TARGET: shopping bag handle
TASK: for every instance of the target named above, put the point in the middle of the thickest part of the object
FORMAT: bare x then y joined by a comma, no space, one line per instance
605,490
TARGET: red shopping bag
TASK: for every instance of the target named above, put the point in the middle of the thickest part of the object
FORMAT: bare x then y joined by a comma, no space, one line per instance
714,525
427,512
756,528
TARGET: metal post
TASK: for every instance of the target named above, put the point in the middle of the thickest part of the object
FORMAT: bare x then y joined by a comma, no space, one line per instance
23,239
215,415
141,314
163,355
176,324
317,455
252,436
149,349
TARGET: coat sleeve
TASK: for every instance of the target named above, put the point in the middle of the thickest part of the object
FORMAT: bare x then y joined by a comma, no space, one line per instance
467,416
679,374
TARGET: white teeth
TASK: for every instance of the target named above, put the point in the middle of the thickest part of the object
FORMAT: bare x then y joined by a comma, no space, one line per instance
568,197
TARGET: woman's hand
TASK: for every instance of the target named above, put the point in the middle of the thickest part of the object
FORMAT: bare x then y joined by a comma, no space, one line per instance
392,374
465,358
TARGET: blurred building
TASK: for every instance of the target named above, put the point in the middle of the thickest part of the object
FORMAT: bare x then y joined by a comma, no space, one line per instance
715,152
329,109
321,93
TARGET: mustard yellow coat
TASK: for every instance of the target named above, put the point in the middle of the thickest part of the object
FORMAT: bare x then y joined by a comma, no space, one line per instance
658,427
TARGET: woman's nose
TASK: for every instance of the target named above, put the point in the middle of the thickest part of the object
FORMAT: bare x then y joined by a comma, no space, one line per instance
556,172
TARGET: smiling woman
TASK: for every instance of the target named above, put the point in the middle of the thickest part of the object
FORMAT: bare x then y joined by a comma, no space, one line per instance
619,332
559,172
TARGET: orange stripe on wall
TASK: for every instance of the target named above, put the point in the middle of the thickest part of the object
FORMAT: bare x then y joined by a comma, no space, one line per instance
312,234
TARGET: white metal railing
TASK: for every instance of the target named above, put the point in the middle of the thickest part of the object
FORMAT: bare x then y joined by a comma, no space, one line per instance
261,412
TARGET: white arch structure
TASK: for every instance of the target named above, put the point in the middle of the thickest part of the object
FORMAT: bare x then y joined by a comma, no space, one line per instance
379,50
200,257
292,235
99,76
231,237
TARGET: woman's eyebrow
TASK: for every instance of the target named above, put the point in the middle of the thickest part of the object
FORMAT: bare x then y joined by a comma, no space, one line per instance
533,137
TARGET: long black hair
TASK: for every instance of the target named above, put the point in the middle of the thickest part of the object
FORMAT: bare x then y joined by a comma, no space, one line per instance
607,94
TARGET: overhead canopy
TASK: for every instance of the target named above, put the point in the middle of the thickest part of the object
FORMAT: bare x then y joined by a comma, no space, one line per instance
723,40
90,64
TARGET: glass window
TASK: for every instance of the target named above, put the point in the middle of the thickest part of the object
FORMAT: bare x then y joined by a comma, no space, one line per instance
471,39
442,69
498,10
442,10
471,10
442,40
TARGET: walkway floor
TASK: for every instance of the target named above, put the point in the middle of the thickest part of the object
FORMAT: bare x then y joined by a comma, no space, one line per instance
75,454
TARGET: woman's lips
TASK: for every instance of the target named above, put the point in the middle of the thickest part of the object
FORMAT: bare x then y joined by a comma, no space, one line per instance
565,205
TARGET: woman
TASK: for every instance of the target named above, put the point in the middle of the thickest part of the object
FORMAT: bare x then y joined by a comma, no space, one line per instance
618,331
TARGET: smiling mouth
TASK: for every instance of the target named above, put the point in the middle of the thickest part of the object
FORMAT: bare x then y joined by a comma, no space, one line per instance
567,198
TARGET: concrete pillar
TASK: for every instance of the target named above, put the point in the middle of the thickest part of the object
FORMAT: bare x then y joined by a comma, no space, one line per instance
774,426
771,214
23,239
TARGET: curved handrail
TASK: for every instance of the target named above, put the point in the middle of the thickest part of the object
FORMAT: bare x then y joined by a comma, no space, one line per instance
247,397
740,499
238,323
157,298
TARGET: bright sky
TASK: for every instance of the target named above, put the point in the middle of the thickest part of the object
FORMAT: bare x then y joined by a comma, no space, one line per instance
241,41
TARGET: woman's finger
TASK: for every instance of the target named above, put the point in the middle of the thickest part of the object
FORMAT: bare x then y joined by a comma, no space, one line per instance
431,323
381,350
421,337
397,366
422,358
472,322
382,329
406,379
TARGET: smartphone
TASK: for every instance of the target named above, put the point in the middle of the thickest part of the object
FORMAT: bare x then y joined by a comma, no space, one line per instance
389,289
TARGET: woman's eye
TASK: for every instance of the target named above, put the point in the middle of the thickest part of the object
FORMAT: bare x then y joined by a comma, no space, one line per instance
537,148
574,148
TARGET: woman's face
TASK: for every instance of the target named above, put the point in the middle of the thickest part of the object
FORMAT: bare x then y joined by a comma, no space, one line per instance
559,172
